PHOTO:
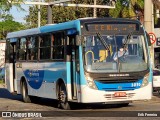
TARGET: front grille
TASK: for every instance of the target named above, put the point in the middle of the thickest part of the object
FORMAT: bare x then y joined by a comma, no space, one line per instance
117,81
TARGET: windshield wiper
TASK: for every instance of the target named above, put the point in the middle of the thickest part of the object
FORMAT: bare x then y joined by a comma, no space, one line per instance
106,46
127,40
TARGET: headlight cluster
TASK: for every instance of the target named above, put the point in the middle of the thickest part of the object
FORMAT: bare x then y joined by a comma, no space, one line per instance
91,83
145,80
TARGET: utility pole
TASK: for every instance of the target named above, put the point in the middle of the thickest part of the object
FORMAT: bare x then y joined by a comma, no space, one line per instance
39,15
95,9
148,8
148,23
49,13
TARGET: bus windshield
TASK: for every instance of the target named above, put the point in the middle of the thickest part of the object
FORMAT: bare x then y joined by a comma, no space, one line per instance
124,53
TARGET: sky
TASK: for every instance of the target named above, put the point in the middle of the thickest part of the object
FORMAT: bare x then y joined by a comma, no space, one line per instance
19,15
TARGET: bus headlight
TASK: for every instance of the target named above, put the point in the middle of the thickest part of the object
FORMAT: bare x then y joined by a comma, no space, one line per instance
145,80
91,83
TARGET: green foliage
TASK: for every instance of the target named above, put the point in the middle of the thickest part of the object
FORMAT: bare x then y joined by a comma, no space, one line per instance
5,5
6,17
1,82
9,26
155,15
127,8
116,12
63,14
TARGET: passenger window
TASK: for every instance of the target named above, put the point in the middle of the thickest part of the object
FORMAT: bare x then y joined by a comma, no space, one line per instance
32,45
58,46
22,49
45,47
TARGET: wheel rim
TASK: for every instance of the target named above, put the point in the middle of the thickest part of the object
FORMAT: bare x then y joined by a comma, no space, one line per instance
63,96
63,101
24,91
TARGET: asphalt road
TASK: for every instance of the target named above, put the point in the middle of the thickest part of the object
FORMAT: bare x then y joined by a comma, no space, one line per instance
47,108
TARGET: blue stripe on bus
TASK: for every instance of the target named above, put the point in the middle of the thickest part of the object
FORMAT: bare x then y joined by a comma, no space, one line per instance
61,26
82,76
118,86
49,74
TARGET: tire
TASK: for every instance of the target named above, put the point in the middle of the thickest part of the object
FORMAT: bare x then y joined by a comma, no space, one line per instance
62,97
26,97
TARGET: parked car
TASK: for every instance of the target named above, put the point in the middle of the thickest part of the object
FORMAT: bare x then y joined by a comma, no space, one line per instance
156,80
2,73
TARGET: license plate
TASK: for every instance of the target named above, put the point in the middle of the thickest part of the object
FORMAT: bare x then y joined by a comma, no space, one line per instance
120,94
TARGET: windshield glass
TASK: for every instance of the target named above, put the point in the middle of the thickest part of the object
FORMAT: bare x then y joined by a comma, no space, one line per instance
119,53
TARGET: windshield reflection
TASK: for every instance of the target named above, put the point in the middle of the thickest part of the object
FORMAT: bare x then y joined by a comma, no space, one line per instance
120,57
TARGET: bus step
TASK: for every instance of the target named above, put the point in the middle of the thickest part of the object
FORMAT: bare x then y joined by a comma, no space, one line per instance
74,98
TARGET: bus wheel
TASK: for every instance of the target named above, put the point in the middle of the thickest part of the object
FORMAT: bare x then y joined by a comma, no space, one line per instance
63,102
26,97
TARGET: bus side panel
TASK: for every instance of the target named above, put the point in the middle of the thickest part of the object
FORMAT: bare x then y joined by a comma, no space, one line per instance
9,82
41,77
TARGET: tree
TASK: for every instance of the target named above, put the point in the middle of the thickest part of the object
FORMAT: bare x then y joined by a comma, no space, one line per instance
9,26
5,5
156,3
63,14
128,9
6,20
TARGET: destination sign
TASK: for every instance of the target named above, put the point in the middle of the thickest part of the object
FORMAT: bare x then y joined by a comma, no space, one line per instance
112,27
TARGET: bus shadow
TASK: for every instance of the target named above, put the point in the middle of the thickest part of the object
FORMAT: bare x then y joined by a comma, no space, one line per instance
4,93
99,106
80,106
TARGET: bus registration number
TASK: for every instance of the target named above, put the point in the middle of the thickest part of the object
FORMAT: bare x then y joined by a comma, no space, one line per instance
120,94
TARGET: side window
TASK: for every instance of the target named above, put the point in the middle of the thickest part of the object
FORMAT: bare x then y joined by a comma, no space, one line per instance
9,52
32,45
58,46
45,46
22,49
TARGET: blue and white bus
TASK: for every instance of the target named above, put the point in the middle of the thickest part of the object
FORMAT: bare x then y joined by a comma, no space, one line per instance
92,60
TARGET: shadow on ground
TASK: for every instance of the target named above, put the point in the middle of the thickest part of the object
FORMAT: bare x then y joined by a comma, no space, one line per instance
4,93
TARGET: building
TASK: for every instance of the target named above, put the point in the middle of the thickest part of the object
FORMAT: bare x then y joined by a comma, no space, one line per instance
2,53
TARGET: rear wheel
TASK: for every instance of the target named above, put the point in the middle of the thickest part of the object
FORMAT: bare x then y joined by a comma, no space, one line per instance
63,101
26,97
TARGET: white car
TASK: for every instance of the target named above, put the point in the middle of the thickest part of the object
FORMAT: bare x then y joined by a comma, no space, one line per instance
156,80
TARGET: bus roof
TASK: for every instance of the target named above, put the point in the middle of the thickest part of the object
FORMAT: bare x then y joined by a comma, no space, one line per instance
45,29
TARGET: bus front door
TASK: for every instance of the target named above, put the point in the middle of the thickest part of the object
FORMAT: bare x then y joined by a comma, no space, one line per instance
10,66
74,62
